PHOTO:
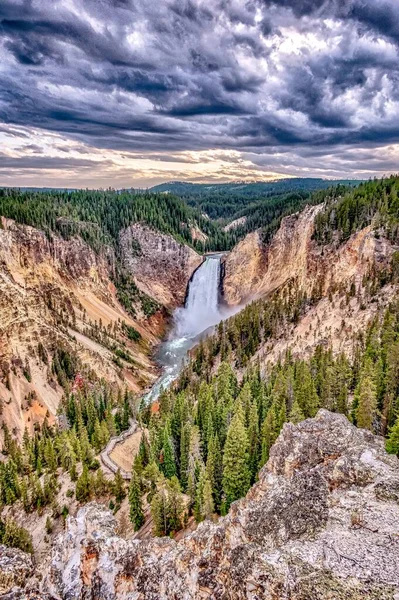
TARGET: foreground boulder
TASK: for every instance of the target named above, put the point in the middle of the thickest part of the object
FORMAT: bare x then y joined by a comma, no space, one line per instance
321,523
15,567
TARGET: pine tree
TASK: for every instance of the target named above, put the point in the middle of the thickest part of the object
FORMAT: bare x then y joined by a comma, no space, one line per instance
168,464
14,536
175,506
83,490
126,412
159,512
296,414
269,427
245,401
195,463
236,476
214,469
118,487
198,505
367,398
305,391
184,454
50,456
392,443
253,437
135,502
208,507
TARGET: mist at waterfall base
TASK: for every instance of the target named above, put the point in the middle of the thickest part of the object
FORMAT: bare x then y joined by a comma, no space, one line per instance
202,311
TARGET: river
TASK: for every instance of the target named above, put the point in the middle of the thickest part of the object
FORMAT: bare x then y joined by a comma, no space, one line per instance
202,310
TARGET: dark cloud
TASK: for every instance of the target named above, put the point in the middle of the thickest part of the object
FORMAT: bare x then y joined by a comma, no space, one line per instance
139,76
37,163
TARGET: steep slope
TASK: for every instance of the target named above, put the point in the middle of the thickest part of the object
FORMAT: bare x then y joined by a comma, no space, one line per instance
58,293
254,269
160,265
342,236
323,273
320,523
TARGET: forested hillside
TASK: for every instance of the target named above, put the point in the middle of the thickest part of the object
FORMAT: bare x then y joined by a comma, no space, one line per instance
99,215
348,210
229,200
255,205
206,438
33,472
211,434
215,430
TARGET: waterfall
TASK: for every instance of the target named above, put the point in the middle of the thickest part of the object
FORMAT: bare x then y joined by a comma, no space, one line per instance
200,312
202,304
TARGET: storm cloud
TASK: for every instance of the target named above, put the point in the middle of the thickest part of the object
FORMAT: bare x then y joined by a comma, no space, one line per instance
261,77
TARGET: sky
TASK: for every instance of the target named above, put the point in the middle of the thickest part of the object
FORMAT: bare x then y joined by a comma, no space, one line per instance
131,93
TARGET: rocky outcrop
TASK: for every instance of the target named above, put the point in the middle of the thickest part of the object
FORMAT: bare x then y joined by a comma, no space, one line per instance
332,279
244,268
161,266
322,523
253,268
15,568
235,224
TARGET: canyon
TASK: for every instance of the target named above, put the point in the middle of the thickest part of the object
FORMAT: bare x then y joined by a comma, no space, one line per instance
55,290
255,269
337,486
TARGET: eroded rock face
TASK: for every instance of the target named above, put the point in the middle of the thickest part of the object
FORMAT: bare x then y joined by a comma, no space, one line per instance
321,523
51,290
160,265
254,269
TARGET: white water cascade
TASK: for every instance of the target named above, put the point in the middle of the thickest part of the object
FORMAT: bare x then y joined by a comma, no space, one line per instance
201,311
202,304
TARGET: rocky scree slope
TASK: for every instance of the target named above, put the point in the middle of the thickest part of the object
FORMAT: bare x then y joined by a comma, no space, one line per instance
321,523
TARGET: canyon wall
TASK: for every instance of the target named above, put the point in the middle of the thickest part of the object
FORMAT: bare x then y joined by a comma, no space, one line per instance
253,268
160,265
56,292
325,274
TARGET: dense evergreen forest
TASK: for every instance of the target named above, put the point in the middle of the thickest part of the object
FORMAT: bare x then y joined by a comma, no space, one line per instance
89,415
210,435
348,210
205,440
228,201
98,216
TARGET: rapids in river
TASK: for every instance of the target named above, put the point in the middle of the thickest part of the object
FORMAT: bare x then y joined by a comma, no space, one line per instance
201,311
